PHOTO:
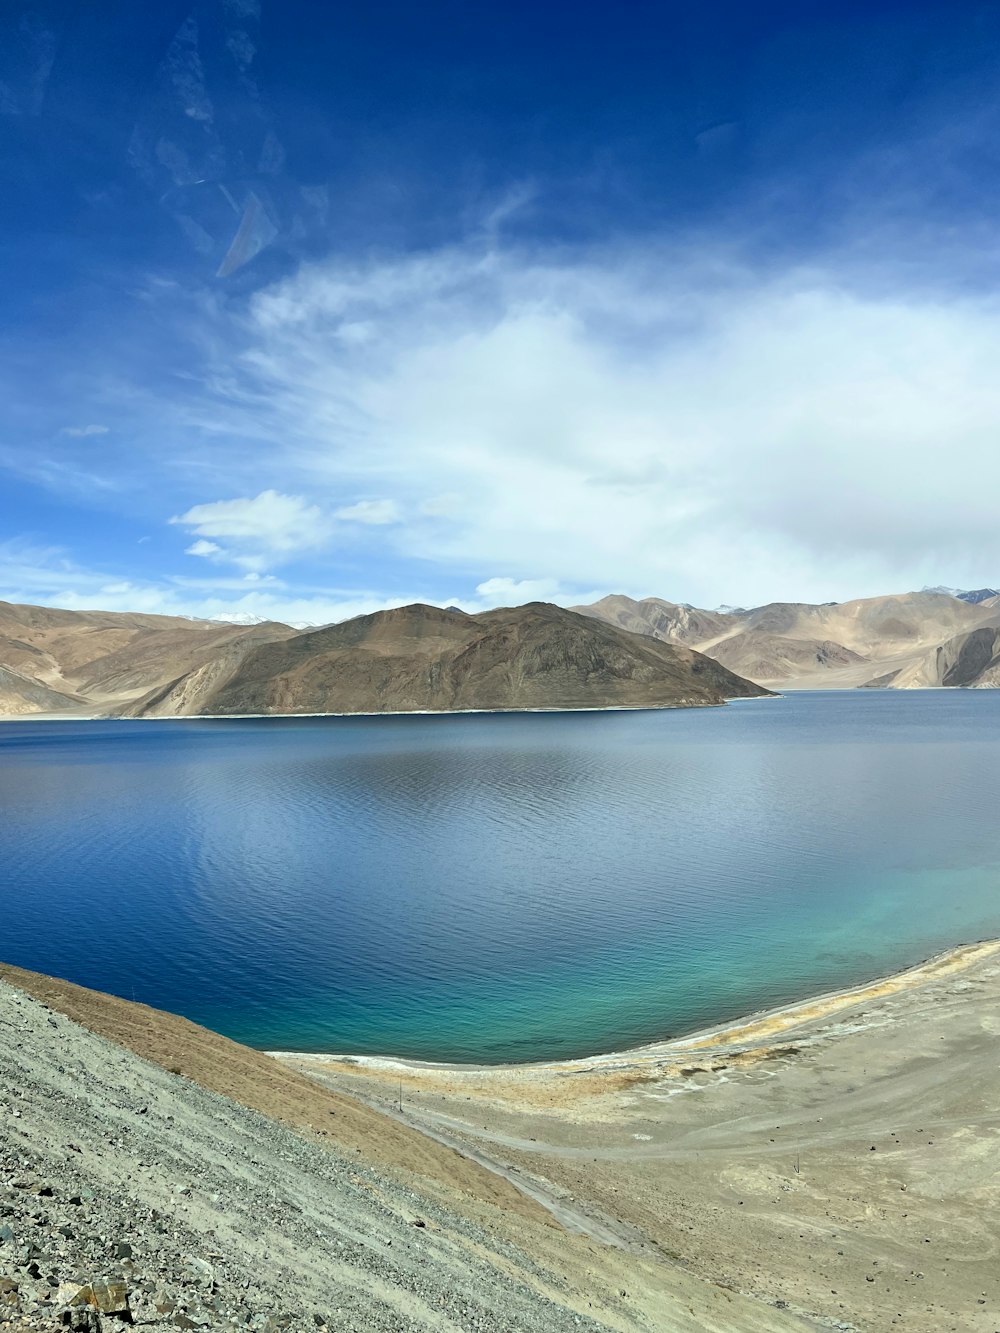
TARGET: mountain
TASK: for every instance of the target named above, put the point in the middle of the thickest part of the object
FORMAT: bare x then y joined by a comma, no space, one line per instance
975,596
971,660
21,695
891,640
761,656
674,622
618,652
421,658
73,661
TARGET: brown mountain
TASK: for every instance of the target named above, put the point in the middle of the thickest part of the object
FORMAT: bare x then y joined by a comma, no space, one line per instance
57,660
764,656
893,640
672,621
971,659
420,658
21,695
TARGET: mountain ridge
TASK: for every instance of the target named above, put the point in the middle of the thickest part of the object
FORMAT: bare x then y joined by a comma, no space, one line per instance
890,641
421,658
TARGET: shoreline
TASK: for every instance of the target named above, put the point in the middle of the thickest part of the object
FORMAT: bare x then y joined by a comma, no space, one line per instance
387,712
775,690
758,1026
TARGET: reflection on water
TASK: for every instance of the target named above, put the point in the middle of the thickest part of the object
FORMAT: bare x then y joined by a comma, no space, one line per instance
500,886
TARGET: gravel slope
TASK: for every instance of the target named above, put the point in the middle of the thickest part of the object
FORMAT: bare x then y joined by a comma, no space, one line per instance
230,1217
147,1199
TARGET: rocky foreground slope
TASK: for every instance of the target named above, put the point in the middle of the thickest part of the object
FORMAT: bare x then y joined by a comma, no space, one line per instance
133,1194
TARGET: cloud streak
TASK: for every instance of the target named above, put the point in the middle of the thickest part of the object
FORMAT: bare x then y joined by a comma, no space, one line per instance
651,420
81,432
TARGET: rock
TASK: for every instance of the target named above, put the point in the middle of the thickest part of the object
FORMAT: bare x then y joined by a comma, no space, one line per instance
200,1269
110,1296
191,1319
82,1319
164,1302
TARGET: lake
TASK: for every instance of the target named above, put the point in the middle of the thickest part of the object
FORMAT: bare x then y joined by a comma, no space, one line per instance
498,887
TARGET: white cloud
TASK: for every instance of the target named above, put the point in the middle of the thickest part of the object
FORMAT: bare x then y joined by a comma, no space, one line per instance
657,422
258,532
80,431
47,576
513,592
372,512
448,505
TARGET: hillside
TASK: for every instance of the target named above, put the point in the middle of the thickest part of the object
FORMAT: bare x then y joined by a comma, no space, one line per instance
897,641
618,652
155,1174
420,658
81,661
971,660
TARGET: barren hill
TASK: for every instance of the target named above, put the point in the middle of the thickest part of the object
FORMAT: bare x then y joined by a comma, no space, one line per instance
674,622
971,659
420,658
73,661
895,640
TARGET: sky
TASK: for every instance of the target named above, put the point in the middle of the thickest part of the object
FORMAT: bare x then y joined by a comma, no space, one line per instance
308,310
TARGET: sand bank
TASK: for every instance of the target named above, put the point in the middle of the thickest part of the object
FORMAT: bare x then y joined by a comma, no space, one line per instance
837,1158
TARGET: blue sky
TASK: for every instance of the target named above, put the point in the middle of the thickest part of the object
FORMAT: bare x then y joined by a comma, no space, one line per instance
311,309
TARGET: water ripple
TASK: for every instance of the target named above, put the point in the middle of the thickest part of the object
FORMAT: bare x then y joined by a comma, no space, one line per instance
500,887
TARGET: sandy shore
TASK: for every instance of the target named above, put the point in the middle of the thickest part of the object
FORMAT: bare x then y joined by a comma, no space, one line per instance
838,1158
386,712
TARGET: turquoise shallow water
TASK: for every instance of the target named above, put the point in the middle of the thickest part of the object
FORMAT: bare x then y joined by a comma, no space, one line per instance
500,887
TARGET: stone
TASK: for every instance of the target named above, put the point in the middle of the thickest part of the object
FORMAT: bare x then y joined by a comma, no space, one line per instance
110,1296
200,1269
164,1302
191,1319
82,1319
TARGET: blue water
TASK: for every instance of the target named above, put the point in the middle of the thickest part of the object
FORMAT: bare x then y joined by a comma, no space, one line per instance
500,887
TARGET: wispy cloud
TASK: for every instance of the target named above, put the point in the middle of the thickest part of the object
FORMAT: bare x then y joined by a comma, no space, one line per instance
258,532
644,417
82,431
649,419
48,576
373,513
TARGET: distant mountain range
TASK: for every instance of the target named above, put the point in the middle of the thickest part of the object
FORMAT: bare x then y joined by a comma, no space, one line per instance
974,596
929,638
415,658
617,652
